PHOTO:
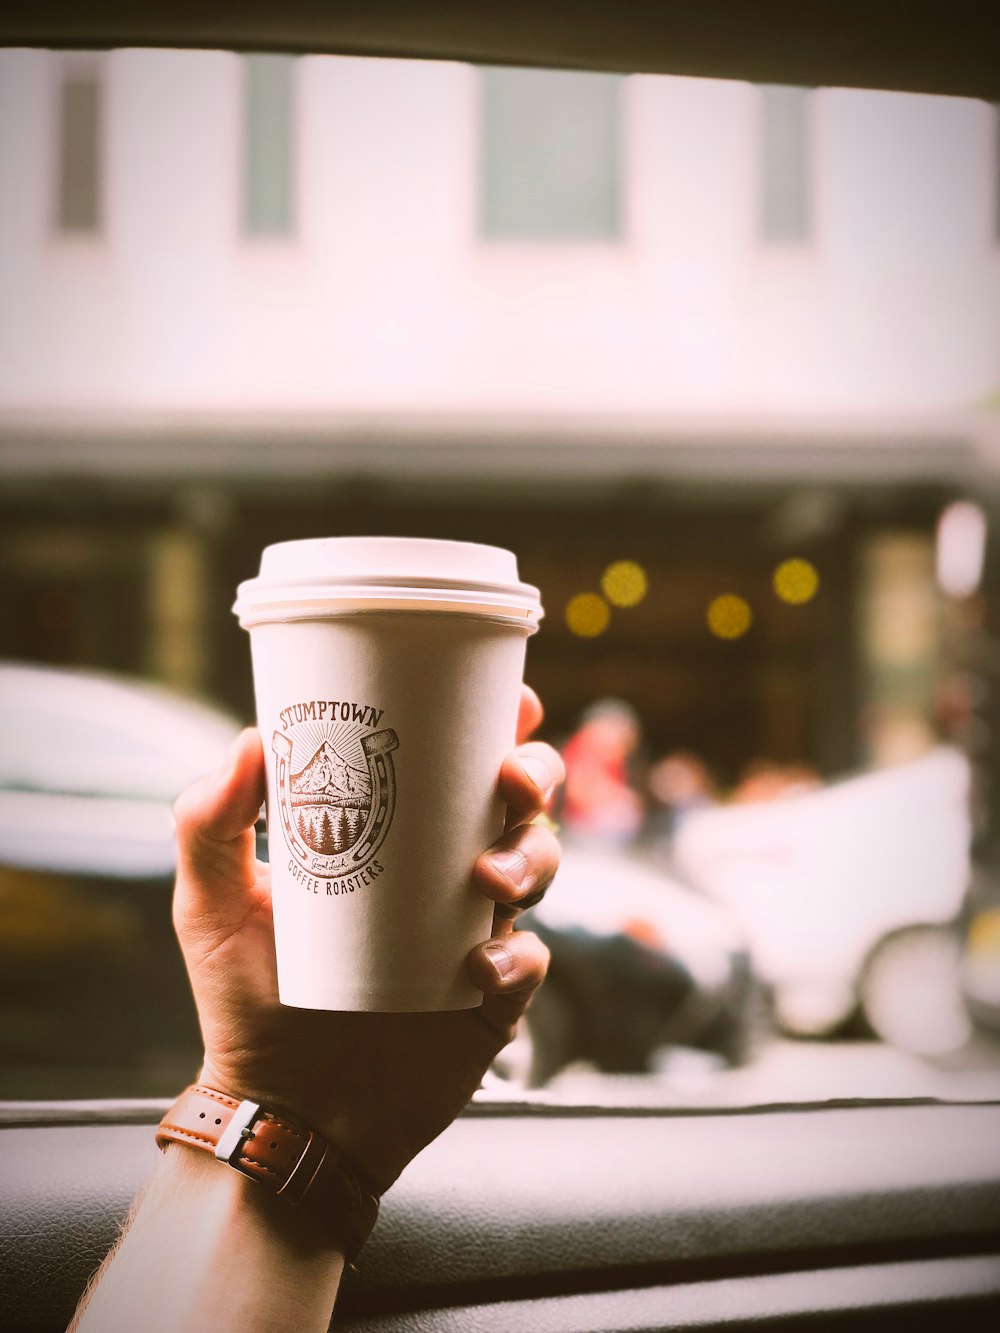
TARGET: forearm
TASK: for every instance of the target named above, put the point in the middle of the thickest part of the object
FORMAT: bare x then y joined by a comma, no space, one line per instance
210,1250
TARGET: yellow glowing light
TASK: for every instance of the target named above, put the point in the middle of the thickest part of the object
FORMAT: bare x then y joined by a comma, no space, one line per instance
587,615
624,583
729,616
796,581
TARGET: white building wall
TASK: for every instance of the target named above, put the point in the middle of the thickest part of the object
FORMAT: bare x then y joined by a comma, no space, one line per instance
386,299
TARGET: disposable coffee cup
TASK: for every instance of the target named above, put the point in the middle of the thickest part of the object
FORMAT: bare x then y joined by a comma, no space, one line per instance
387,673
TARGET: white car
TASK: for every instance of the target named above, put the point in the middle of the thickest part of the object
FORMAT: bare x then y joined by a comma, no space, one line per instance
850,895
90,765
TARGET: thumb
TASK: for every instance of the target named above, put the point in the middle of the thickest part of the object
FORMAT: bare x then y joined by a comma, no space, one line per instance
215,818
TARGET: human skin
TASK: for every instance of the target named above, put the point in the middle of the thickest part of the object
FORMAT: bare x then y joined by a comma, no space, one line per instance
206,1248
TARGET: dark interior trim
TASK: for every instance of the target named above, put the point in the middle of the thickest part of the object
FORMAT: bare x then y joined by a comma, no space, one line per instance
957,1294
937,46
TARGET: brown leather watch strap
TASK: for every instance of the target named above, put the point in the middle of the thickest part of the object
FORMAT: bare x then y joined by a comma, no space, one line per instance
298,1164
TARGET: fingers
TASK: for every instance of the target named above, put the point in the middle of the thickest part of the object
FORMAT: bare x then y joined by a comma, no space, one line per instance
215,818
530,713
508,971
528,777
517,869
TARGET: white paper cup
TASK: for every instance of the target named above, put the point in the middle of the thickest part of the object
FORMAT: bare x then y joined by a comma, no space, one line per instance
387,673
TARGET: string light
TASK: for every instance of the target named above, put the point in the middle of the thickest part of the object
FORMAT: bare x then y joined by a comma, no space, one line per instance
587,615
729,616
624,583
796,581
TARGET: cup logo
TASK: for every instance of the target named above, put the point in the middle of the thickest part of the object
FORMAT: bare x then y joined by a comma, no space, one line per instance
336,787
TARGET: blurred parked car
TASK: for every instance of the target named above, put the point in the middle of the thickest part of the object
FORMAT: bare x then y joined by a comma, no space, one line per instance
93,993
90,766
639,963
851,898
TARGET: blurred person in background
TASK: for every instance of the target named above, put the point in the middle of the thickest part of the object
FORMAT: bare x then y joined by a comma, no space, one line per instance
679,784
765,780
601,802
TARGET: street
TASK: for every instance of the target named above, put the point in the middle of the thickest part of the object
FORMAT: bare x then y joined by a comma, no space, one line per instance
783,1071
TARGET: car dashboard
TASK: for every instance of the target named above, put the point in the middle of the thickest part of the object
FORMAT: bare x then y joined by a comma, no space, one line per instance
590,1220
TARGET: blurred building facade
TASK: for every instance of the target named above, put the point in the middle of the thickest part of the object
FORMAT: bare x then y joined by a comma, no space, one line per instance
193,231
698,324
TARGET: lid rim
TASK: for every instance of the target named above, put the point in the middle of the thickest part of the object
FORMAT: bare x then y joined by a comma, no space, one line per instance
338,574
367,581
296,613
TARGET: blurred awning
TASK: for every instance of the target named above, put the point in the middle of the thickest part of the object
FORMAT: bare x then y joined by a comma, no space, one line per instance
452,451
940,46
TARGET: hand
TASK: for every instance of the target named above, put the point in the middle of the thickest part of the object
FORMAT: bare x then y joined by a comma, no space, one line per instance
380,1086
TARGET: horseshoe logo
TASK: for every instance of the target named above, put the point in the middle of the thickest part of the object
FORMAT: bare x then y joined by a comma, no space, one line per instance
336,791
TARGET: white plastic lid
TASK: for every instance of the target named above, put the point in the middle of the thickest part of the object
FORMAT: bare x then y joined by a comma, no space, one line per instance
329,576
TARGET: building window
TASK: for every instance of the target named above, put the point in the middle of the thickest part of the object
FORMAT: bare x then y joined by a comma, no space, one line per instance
785,166
551,156
268,146
78,157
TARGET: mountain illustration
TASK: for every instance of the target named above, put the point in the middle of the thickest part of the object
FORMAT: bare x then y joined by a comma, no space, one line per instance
328,779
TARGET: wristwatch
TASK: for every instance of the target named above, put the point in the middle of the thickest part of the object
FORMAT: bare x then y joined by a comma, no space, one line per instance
293,1161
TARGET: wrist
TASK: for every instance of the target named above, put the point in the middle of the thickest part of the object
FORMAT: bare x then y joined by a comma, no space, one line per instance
206,1249
343,1119
234,1208
293,1167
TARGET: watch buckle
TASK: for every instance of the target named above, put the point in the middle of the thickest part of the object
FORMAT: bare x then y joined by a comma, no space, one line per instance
236,1133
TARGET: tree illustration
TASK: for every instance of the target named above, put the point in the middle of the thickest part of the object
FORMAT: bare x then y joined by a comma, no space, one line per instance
353,825
339,838
326,843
